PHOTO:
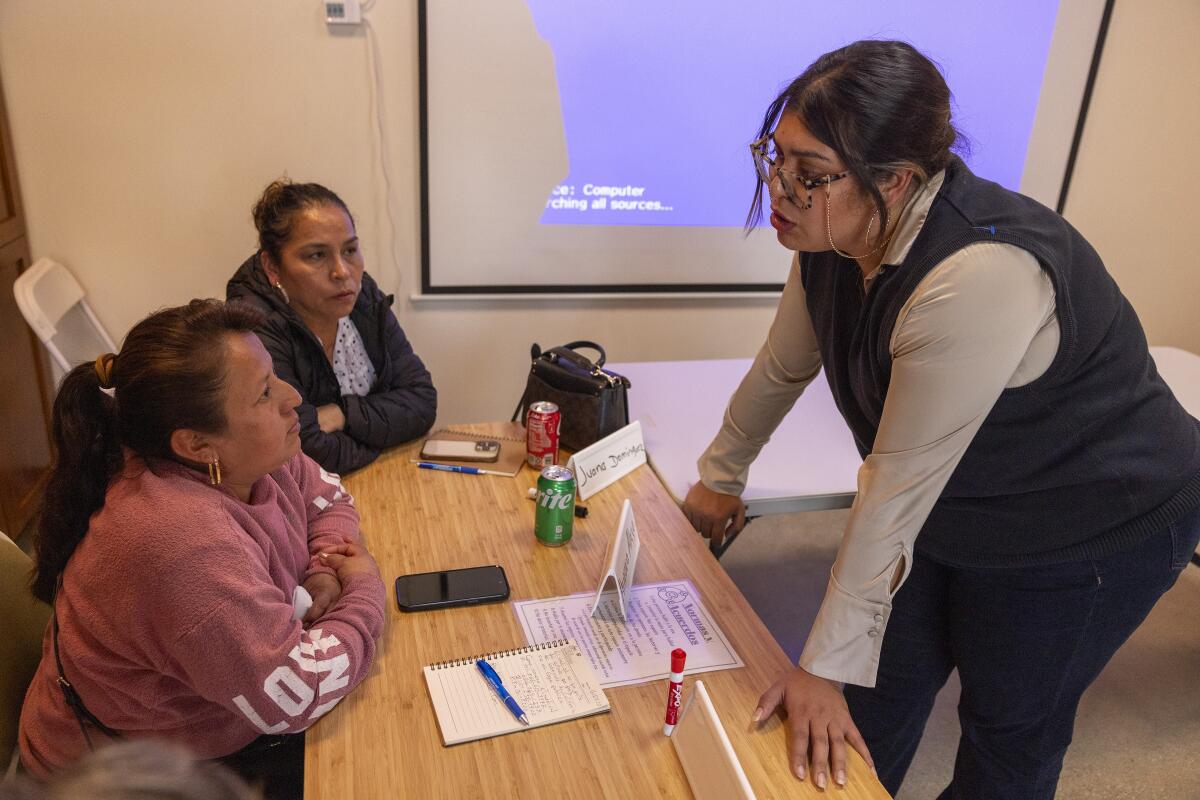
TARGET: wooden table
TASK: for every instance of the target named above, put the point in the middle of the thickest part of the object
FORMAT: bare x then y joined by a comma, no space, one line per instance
383,741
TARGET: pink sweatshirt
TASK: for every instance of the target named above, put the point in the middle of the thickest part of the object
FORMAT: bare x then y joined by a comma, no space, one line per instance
176,615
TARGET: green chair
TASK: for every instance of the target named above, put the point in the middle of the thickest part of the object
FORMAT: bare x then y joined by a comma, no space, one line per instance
21,646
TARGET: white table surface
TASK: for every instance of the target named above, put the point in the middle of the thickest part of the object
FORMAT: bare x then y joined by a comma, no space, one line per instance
811,462
1181,370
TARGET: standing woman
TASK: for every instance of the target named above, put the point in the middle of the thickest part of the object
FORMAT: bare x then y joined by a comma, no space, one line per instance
331,331
1030,485
205,576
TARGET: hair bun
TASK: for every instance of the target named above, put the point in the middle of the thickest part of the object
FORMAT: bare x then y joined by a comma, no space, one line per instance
276,210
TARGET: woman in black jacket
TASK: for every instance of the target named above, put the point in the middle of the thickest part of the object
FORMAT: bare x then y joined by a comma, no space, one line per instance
331,331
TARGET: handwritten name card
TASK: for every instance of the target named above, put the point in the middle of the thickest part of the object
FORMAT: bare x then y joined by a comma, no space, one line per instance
601,464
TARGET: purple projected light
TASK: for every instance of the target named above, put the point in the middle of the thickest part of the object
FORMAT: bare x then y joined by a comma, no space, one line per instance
660,99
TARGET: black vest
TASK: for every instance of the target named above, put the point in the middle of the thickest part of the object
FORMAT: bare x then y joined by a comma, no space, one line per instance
1086,460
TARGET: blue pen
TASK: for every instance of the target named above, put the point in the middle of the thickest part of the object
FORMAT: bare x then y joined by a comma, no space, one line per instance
456,468
498,685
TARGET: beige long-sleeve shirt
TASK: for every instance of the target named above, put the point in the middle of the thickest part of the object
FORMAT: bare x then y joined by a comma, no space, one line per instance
981,321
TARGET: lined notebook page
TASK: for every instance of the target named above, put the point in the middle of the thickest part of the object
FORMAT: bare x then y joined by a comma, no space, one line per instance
551,682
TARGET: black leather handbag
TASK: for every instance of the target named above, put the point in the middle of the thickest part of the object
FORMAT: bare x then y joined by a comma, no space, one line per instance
594,401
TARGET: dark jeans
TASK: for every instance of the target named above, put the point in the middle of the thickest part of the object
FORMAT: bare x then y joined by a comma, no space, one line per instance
1026,641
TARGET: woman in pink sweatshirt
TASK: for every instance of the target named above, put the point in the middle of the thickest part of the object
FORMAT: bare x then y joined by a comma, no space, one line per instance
206,576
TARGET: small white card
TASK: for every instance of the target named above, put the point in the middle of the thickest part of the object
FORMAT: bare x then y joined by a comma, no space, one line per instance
621,561
613,457
301,602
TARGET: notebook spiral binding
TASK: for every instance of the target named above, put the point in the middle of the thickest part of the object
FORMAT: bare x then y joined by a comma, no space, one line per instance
461,662
456,432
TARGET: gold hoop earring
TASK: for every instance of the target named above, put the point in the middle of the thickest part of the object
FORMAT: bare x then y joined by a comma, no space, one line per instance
214,472
829,233
283,292
870,224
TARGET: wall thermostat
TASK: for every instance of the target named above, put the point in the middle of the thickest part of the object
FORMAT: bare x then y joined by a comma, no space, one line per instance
343,12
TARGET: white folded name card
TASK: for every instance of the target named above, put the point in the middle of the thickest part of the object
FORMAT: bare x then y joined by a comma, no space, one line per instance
621,560
613,457
709,761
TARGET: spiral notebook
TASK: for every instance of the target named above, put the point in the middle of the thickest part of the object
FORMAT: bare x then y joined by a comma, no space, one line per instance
552,682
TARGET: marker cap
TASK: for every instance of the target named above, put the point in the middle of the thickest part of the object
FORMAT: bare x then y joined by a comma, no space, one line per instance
678,656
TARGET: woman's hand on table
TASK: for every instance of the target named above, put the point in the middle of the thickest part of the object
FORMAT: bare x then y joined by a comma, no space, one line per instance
330,418
324,589
714,515
819,725
349,559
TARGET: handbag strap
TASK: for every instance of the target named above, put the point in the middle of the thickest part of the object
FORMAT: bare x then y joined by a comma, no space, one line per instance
585,344
82,715
567,351
566,355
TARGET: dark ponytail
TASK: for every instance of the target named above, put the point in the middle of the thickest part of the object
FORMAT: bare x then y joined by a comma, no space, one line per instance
880,105
87,454
169,375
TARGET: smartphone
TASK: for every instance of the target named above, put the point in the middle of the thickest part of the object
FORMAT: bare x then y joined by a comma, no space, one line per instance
452,587
457,450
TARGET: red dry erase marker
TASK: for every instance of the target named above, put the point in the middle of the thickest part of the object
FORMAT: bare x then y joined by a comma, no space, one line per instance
674,690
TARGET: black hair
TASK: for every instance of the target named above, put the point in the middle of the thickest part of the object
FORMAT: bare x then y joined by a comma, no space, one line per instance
169,375
880,105
276,210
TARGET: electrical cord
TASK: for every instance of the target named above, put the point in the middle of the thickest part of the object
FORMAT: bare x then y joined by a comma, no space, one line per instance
376,99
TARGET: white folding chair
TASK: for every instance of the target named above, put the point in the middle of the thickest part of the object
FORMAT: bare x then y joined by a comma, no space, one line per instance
53,304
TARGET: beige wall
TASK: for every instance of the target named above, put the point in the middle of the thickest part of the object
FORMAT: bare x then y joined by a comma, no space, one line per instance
144,131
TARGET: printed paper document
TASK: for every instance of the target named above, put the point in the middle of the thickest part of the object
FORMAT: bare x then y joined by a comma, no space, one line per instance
661,617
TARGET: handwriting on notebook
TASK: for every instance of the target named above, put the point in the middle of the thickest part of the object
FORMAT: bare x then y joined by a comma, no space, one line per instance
545,684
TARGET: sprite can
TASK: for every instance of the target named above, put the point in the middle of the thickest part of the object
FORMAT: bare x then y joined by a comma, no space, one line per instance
555,512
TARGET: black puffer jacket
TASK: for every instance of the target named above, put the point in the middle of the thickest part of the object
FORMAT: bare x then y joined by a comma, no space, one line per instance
402,403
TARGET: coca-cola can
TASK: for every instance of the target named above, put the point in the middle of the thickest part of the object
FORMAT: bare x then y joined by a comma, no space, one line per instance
541,434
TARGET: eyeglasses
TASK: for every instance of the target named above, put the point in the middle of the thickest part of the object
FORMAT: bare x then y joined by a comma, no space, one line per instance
764,154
